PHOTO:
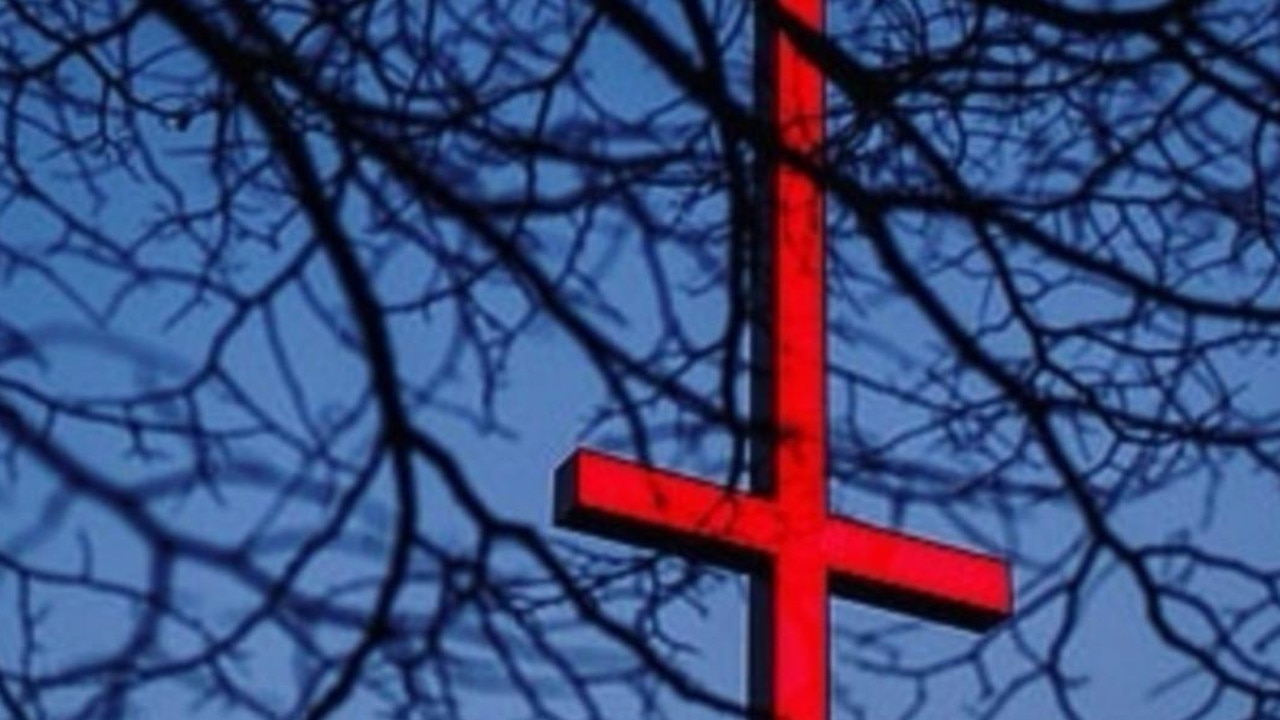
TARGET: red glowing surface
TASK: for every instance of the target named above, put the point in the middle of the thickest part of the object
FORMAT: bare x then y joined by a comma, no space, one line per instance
782,533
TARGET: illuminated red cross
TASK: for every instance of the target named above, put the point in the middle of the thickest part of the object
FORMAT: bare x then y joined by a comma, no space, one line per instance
781,533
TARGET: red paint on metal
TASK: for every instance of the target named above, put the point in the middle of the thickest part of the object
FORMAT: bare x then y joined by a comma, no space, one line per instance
783,533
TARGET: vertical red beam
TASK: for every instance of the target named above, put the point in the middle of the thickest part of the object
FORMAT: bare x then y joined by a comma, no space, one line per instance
798,332
793,617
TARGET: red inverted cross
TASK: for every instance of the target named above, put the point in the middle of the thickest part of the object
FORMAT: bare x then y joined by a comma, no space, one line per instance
782,533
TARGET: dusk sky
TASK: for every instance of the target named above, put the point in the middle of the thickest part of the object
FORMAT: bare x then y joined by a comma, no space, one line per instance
301,307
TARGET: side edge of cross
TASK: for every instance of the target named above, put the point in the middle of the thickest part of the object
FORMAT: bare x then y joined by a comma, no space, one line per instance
782,533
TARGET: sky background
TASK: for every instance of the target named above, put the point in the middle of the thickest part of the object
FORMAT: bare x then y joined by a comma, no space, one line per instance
546,402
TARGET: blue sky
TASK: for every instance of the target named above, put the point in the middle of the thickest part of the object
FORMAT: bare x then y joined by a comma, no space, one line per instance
292,369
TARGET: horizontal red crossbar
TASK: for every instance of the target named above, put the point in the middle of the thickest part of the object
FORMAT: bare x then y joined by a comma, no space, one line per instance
682,514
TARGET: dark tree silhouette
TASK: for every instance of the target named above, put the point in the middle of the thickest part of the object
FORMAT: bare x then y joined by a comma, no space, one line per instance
270,272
